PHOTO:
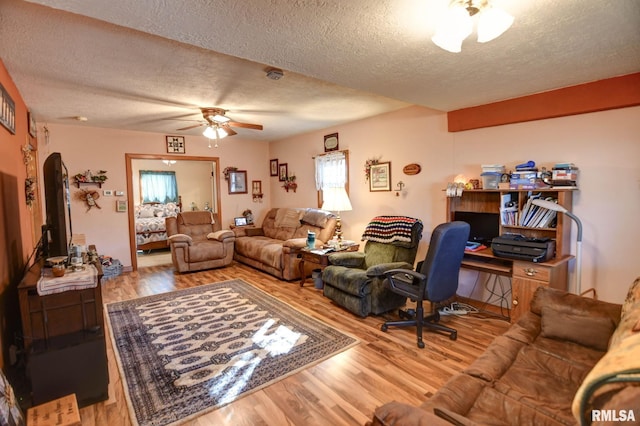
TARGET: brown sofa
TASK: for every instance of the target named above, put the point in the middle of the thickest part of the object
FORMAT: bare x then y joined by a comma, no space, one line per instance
569,360
197,243
273,247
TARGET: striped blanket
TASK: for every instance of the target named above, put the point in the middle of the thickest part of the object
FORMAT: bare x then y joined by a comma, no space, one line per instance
388,229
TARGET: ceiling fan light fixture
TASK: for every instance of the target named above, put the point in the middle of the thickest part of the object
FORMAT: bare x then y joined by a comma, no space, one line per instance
456,24
215,132
219,118
493,22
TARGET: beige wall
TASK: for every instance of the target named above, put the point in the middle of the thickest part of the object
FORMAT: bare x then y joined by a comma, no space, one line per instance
94,148
604,145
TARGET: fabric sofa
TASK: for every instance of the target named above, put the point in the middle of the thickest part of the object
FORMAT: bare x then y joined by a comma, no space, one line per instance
197,242
273,247
569,360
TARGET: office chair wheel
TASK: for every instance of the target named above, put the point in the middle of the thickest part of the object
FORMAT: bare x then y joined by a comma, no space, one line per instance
384,327
420,344
454,335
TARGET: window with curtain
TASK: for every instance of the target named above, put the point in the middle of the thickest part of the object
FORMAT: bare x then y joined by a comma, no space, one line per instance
158,186
332,171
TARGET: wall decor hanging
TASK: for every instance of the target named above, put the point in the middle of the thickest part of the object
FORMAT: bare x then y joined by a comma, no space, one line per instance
227,171
367,167
273,167
238,182
290,183
7,111
380,177
283,172
32,124
331,142
90,197
175,145
89,177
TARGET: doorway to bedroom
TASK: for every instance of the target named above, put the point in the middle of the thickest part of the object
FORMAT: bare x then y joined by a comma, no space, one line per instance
161,186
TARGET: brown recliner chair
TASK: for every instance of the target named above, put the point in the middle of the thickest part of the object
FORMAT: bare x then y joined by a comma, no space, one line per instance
197,242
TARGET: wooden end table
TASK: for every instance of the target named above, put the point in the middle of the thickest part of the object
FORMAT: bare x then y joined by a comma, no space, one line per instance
321,259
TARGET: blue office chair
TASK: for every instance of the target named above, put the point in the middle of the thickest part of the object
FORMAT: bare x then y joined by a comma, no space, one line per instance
436,281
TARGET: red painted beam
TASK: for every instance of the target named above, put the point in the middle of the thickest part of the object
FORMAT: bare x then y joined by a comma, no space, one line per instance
612,93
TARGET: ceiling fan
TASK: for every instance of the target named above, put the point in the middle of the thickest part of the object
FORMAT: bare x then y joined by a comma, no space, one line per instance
219,125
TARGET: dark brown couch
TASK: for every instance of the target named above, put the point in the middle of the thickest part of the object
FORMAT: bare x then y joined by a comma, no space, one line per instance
562,360
273,247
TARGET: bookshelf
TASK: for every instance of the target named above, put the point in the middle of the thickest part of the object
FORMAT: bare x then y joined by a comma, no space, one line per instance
525,276
490,201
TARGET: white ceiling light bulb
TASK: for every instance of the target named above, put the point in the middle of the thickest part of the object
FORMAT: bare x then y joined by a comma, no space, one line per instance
492,23
453,29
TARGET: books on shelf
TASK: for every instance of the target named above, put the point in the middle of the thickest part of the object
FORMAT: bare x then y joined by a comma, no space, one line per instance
533,216
508,210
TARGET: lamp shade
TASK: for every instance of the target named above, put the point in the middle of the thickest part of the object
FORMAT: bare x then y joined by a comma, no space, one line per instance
336,199
492,23
214,132
455,26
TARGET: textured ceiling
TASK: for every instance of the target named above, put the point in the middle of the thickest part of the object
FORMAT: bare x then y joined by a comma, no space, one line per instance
148,64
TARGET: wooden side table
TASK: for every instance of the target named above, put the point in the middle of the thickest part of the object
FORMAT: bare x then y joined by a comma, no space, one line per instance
321,259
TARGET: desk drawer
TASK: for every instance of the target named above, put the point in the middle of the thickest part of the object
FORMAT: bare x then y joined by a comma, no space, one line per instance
531,270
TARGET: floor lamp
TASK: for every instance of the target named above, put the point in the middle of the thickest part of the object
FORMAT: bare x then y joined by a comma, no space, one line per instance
558,208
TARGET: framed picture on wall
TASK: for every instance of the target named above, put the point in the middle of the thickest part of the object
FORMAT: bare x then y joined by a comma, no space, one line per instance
283,172
121,206
273,167
380,177
238,182
175,145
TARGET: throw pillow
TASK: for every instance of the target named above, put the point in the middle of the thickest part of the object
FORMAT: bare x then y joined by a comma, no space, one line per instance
146,213
589,331
317,218
288,218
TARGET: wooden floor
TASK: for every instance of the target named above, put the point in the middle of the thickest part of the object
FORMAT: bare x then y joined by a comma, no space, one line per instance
343,390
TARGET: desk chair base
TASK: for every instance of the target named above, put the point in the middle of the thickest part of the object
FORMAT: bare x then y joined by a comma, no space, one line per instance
416,318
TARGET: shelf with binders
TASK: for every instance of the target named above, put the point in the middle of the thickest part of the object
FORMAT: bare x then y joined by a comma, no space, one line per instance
510,216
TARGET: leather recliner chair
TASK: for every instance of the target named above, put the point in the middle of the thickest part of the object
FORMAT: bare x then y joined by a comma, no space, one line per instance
197,242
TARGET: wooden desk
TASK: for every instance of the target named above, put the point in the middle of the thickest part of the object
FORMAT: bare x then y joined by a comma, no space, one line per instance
322,260
525,276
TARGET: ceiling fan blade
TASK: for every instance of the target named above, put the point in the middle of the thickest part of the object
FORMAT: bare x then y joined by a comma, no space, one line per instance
245,125
230,131
192,127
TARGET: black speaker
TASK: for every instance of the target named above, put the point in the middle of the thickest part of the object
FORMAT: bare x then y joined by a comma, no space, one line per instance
70,364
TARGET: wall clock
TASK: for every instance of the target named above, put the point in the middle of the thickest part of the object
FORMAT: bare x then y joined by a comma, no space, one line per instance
175,145
331,142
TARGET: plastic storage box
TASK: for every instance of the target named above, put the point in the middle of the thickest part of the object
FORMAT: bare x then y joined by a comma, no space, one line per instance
490,180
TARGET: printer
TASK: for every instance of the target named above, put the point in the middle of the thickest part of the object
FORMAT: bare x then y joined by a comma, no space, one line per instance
516,246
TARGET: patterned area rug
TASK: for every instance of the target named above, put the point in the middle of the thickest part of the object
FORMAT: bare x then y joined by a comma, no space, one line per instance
187,352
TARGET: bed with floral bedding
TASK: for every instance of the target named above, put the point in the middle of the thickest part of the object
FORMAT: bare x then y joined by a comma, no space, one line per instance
151,231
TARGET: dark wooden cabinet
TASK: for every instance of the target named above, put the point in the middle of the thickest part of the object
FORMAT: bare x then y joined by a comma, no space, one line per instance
64,340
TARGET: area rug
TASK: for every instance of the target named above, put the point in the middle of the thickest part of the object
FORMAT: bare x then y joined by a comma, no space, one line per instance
184,353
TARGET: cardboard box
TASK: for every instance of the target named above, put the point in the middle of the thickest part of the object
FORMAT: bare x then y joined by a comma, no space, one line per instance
59,412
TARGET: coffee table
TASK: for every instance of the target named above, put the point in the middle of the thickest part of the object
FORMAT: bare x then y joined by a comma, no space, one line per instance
321,259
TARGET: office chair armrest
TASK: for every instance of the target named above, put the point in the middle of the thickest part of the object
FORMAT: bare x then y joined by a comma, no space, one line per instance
349,259
382,268
407,282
